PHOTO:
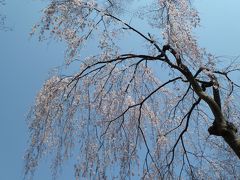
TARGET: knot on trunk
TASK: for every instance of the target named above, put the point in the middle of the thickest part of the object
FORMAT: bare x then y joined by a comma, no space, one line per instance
222,129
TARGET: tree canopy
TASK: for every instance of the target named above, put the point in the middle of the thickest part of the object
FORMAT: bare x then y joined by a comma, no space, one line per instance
133,101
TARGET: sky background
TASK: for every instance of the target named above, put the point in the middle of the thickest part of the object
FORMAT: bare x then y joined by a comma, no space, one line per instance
25,64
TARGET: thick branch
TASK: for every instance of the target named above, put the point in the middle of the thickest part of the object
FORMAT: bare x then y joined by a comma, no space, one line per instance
220,127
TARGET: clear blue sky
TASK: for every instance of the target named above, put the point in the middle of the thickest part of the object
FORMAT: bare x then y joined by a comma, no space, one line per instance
25,63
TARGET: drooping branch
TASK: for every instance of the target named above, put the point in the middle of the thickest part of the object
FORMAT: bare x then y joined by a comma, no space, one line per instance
187,116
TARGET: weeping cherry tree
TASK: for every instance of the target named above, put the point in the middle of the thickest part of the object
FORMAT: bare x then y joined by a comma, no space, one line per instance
136,97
